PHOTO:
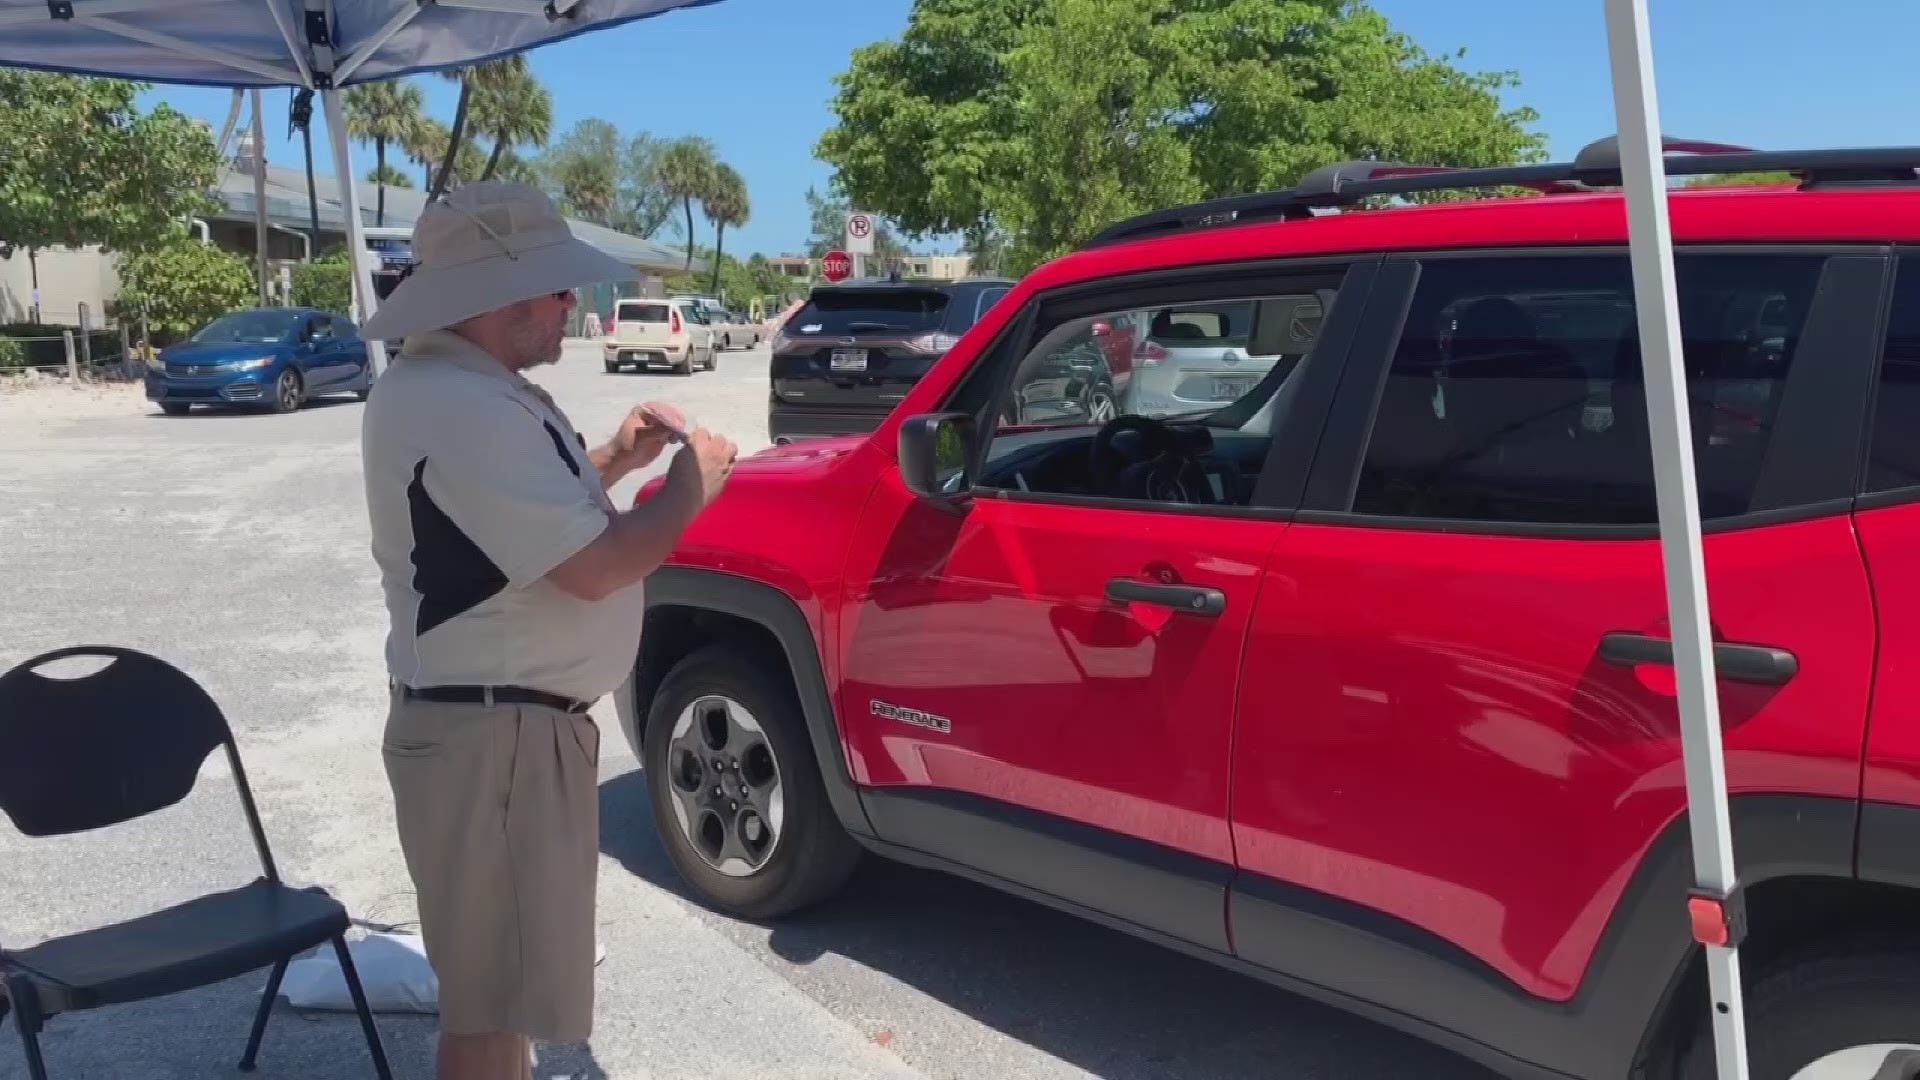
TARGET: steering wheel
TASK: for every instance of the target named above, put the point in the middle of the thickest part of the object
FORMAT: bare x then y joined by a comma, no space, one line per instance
1138,457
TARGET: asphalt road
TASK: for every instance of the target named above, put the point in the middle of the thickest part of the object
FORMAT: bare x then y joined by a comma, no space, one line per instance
235,546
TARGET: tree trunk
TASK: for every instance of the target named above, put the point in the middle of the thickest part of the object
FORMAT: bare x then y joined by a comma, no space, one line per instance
493,160
33,272
689,201
379,184
719,235
453,141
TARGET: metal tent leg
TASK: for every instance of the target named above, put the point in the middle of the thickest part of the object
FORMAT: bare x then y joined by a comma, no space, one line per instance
1650,239
363,299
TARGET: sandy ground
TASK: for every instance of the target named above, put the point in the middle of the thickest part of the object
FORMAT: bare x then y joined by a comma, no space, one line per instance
235,546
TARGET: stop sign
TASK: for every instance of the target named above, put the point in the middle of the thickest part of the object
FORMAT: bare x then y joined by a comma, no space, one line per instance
836,266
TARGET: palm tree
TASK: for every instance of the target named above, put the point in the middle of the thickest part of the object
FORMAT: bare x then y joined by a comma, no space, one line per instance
425,142
686,173
380,113
492,74
515,110
390,176
588,188
725,204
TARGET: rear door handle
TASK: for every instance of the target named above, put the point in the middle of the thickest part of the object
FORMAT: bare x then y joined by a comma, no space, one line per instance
1762,665
1188,599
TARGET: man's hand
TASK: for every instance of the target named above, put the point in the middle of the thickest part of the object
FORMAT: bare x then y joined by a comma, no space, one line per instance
706,463
642,435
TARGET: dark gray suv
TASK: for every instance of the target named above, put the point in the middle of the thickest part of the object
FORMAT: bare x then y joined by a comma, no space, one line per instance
851,353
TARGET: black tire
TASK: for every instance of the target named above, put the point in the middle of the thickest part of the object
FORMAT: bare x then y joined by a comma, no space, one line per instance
813,856
287,393
1808,1004
613,367
685,367
1101,404
713,360
175,408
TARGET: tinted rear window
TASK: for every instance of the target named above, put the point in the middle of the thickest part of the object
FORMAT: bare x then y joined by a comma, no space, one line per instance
894,312
642,312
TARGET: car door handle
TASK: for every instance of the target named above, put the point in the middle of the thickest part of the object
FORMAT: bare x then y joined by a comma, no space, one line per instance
1762,665
1189,599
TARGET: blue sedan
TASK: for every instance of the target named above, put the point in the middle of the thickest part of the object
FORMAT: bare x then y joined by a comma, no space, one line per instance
278,358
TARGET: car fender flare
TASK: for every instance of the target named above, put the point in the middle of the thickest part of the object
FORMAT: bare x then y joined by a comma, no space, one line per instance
780,615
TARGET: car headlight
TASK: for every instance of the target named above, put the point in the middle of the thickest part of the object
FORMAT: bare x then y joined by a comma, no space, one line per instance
254,364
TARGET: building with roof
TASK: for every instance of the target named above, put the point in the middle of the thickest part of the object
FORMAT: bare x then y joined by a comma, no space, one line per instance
86,279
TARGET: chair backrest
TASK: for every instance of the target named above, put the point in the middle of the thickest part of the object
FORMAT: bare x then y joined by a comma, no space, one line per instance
107,747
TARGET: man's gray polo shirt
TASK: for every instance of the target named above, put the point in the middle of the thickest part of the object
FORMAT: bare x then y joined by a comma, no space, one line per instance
477,486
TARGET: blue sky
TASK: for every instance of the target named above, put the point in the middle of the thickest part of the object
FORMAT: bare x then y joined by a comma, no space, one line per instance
755,76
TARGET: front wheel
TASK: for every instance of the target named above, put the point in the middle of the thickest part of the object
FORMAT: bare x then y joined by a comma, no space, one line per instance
735,788
286,392
1833,1012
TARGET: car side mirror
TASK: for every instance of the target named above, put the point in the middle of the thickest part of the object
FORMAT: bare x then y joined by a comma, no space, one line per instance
935,452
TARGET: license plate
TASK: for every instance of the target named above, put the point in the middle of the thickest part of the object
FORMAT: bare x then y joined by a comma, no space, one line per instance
1230,388
847,360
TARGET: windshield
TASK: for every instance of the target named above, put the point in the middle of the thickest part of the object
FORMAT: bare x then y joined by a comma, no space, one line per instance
896,311
246,327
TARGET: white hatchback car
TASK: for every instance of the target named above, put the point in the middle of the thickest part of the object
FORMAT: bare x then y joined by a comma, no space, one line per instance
667,333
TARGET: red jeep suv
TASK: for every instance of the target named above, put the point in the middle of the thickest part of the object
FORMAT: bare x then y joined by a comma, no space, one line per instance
1360,683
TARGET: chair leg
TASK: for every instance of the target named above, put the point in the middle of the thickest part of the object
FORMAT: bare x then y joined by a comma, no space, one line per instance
260,1015
27,1018
36,1066
379,1052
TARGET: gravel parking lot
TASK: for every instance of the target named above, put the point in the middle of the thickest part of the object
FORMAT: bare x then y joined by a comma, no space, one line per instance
235,546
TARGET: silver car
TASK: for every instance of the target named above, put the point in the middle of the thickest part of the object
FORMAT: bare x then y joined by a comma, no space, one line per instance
1194,357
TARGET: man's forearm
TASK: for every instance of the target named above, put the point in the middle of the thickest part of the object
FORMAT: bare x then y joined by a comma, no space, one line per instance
633,546
606,461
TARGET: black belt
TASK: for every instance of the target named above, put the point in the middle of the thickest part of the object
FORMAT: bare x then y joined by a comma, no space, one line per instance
489,695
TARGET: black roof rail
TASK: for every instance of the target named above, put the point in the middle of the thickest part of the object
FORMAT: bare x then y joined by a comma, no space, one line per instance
1597,165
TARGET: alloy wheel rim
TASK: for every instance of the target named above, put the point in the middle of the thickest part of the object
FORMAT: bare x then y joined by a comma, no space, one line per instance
729,801
1101,410
289,391
1851,1063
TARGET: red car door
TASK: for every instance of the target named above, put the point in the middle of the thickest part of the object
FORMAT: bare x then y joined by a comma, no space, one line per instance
1456,737
1043,684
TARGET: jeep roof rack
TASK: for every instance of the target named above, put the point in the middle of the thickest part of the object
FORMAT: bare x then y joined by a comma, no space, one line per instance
1596,166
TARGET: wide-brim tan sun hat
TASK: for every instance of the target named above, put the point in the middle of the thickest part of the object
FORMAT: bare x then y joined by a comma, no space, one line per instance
483,247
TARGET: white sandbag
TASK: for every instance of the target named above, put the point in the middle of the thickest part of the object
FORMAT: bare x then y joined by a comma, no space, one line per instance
393,971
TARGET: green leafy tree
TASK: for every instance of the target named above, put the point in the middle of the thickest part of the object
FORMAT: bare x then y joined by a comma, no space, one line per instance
325,283
686,169
181,284
1042,121
725,204
79,165
384,113
1765,179
581,170
645,206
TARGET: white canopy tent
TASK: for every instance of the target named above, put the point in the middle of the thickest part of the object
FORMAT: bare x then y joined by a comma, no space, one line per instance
320,45
328,44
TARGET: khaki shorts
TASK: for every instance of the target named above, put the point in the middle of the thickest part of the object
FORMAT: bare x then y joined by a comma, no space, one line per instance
499,816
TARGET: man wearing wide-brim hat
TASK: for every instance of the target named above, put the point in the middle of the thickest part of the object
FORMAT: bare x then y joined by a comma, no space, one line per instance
514,590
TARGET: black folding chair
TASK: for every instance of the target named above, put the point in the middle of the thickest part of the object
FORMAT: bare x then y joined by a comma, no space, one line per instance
129,739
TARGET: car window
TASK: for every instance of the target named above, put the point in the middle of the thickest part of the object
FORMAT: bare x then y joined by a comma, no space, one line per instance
875,311
1893,461
248,327
343,330
1096,372
645,313
319,329
1517,392
988,298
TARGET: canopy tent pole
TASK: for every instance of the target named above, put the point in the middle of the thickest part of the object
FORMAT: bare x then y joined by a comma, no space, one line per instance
363,299
260,240
1657,309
